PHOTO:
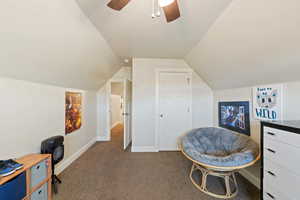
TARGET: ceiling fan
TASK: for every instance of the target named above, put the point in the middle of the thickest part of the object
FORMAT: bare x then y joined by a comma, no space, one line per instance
170,8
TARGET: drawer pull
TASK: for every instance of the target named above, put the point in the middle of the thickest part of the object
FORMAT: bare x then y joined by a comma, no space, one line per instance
40,191
271,173
271,150
270,133
38,167
270,195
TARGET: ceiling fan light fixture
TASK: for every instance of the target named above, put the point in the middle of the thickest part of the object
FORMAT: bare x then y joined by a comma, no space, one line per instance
164,3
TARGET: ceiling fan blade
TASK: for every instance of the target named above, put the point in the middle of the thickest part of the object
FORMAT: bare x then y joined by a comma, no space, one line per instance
117,4
172,11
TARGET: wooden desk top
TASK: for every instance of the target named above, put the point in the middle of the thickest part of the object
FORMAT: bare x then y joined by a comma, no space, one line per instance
28,161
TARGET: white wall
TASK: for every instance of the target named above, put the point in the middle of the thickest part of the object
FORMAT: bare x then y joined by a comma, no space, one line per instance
116,111
291,111
237,94
122,74
143,105
53,42
32,112
117,88
103,96
291,103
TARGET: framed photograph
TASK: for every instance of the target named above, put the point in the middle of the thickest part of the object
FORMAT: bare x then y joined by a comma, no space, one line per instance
73,112
267,102
235,116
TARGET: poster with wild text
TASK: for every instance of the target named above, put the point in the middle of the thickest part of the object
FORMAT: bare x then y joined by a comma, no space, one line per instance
73,115
267,102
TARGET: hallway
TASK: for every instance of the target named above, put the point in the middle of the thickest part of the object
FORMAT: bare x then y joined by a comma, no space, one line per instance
106,172
117,134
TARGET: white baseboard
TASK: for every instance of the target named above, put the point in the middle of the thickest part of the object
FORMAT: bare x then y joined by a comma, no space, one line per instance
103,138
144,149
66,162
250,177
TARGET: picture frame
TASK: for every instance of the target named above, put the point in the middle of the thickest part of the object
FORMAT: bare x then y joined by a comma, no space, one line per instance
268,102
235,116
73,111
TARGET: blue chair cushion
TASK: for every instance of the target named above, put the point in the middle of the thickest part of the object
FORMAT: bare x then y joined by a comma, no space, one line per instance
219,147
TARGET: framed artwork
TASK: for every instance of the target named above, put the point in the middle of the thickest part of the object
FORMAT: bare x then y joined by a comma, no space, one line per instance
267,102
235,116
73,112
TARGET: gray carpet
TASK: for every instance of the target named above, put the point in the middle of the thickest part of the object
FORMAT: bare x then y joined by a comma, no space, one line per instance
106,172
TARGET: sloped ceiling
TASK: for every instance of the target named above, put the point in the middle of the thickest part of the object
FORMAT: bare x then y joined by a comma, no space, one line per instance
252,42
133,33
53,42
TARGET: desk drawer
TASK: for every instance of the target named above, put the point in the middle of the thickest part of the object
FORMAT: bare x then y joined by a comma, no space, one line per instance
38,173
279,177
41,193
282,154
282,136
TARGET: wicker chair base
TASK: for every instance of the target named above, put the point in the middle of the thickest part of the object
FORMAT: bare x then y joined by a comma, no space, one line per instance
228,176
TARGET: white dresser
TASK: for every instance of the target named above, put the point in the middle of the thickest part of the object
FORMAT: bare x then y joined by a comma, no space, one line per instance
281,160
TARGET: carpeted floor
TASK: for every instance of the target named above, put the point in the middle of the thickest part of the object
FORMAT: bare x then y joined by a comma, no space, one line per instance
106,172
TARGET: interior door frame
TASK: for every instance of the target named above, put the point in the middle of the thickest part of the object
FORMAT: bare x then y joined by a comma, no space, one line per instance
108,111
125,112
157,74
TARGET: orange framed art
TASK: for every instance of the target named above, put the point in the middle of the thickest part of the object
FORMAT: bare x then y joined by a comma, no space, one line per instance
73,112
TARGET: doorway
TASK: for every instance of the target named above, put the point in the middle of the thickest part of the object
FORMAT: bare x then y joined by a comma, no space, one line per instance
116,104
174,97
120,110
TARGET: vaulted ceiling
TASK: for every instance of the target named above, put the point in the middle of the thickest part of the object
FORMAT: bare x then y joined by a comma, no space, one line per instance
229,43
133,33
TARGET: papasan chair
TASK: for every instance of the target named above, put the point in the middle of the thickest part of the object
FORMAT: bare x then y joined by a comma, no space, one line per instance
218,152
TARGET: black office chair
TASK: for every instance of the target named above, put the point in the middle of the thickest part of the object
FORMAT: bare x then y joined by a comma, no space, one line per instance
55,147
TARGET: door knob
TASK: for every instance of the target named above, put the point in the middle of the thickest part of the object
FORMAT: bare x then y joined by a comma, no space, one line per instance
161,115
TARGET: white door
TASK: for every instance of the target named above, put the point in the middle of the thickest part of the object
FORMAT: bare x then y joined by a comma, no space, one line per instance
127,112
174,106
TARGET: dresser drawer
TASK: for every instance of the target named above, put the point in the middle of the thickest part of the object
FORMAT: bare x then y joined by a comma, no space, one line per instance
41,193
283,154
282,136
271,193
38,173
280,177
